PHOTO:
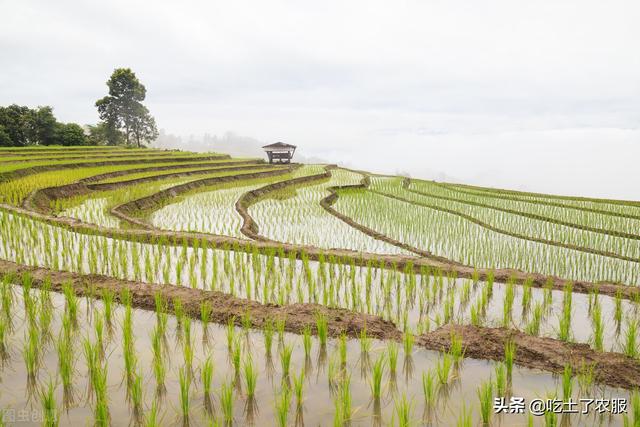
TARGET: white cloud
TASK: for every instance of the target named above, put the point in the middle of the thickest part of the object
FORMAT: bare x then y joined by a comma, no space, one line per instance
438,78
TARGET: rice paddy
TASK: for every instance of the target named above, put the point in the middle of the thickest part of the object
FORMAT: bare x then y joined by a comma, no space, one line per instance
329,318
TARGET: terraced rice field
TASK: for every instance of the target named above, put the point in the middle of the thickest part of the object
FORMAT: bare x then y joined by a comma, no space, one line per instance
153,287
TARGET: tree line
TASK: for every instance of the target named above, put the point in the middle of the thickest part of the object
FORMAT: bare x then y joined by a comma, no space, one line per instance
124,120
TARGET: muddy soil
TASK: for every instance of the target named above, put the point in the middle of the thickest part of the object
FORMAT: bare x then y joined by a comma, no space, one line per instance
547,354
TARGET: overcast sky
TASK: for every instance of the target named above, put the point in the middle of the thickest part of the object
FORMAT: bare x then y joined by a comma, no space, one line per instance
540,95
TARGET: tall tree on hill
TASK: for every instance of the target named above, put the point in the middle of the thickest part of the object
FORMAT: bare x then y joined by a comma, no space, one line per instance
122,109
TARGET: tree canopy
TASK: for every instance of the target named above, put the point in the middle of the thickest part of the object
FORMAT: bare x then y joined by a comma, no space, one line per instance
22,126
122,110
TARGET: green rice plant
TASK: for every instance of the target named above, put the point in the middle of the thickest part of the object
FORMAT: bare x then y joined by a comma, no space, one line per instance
429,389
71,301
456,349
630,347
586,376
485,395
392,356
49,409
285,360
633,419
30,354
443,368
298,388
507,307
107,300
246,322
465,417
283,401
345,398
533,327
509,356
365,342
3,339
564,332
151,419
402,410
236,357
376,378
136,396
617,312
250,377
231,332
567,382
526,293
550,416
342,349
598,328
306,341
268,332
501,379
407,342
184,379
226,402
322,328
159,369
65,351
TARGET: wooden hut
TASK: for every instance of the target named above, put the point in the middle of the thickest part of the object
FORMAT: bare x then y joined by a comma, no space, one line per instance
280,152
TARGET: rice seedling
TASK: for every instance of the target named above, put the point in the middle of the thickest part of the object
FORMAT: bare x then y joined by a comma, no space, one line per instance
376,378
465,417
633,419
226,402
136,396
407,343
298,388
184,378
456,349
268,332
533,327
285,360
443,368
322,329
151,419
392,356
485,395
567,382
107,299
236,358
564,332
630,346
283,402
49,409
500,379
231,333
306,341
402,410
429,389
598,328
66,359
550,416
509,356
342,349
250,377
586,377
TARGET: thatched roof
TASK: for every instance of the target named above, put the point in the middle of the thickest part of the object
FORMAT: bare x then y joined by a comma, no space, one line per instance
278,146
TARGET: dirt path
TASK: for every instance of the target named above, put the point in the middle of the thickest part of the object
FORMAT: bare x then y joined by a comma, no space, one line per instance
547,354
